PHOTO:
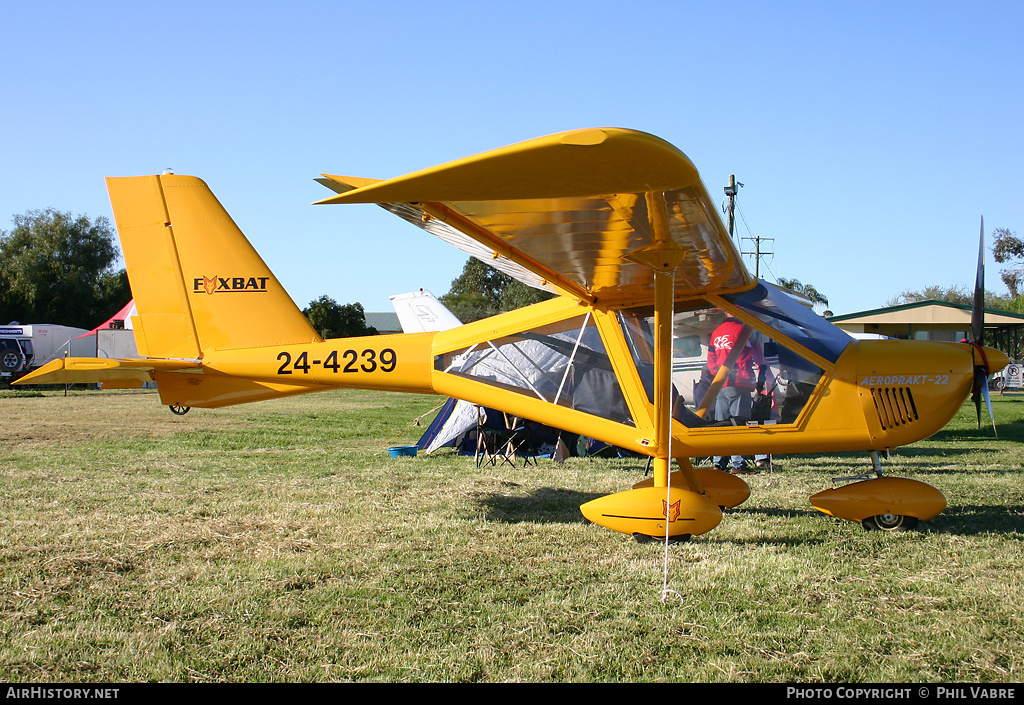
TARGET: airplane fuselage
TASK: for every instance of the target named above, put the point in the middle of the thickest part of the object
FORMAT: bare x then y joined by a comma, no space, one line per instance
875,395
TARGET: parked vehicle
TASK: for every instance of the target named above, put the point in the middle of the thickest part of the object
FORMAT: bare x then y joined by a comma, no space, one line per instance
13,358
23,348
1010,377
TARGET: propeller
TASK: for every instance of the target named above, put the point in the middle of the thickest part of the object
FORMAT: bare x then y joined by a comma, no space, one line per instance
980,388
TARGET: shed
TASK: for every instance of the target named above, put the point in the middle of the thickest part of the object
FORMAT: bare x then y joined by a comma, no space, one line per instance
385,322
937,320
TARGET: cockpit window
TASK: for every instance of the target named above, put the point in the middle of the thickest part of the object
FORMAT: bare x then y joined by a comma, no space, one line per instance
724,372
563,363
793,319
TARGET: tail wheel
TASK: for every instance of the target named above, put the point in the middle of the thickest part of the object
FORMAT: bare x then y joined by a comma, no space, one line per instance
889,522
179,410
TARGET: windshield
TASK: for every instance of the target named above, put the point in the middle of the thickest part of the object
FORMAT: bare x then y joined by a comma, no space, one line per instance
794,320
724,372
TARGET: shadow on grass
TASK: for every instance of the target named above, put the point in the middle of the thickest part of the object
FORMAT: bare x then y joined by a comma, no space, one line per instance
785,513
546,505
1013,431
930,452
971,520
553,505
904,456
906,461
928,469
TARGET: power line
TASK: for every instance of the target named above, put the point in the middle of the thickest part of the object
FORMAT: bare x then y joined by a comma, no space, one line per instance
730,207
758,252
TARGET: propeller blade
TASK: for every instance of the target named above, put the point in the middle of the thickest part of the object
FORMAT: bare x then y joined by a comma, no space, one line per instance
978,313
980,389
980,381
988,403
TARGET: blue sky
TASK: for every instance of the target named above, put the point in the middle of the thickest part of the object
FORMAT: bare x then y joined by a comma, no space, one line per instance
870,137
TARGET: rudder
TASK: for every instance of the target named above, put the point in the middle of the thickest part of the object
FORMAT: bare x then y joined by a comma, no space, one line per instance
198,283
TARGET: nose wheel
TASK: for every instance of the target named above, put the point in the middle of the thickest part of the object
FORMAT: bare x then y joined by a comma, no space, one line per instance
881,503
889,522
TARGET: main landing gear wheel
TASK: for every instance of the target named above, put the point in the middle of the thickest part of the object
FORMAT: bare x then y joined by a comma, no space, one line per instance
644,538
889,522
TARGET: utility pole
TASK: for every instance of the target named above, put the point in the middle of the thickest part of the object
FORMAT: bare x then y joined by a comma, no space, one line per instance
730,207
730,215
757,253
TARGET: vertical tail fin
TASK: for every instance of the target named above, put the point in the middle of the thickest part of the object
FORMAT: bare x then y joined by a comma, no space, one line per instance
420,312
198,284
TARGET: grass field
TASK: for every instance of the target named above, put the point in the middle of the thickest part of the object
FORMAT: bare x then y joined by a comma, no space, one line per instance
279,542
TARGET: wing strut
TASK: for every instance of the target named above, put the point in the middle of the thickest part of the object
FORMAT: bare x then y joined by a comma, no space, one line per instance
663,256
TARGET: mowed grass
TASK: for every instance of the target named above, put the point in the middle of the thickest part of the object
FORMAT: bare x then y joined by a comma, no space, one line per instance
278,542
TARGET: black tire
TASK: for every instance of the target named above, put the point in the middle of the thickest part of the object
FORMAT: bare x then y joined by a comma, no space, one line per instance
889,522
644,538
998,384
179,410
11,361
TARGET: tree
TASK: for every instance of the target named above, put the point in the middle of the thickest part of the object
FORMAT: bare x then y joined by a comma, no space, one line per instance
59,268
482,291
1007,247
332,320
807,290
950,294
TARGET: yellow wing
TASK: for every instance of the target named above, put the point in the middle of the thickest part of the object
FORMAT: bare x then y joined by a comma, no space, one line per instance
573,212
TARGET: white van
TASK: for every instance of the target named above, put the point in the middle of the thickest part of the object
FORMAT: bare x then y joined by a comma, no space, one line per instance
1010,377
26,347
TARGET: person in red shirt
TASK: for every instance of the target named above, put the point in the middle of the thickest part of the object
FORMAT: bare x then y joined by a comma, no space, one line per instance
732,345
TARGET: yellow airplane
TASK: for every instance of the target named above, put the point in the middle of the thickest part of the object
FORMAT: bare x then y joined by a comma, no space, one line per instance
618,223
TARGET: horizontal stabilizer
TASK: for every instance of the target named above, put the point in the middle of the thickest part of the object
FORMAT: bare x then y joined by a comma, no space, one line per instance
180,382
110,371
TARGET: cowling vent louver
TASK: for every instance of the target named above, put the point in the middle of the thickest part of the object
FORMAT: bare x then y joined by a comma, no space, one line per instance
895,406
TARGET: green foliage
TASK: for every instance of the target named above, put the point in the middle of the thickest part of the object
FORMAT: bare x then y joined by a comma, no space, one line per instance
1013,305
482,291
332,320
59,268
807,290
1007,247
950,294
954,295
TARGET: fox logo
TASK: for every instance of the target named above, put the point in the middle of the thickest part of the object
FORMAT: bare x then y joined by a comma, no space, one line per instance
671,511
223,285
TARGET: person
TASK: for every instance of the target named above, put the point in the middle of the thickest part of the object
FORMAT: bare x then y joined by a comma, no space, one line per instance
734,398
